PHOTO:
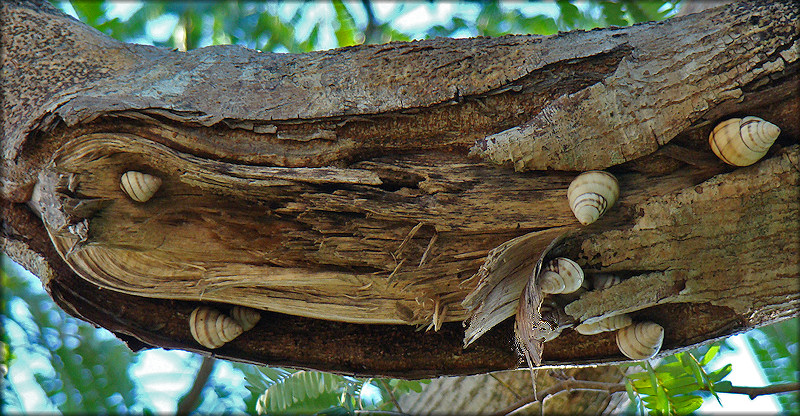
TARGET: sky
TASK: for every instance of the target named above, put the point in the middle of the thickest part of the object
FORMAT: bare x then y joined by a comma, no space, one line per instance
164,376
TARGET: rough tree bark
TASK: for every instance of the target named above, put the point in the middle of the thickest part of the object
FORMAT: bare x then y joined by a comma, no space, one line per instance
354,194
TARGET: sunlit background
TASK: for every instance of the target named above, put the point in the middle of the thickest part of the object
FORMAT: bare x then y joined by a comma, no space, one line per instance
37,331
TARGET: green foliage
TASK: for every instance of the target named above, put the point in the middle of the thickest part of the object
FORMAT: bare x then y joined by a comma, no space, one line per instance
677,385
262,26
495,20
88,369
286,391
775,348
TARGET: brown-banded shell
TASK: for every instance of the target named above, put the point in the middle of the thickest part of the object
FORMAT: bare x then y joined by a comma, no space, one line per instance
640,341
612,323
604,281
247,318
743,141
560,275
139,186
211,328
591,194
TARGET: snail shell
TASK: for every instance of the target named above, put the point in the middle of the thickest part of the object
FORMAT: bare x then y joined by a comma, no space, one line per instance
212,328
560,275
612,323
743,141
139,186
604,281
591,194
640,341
247,318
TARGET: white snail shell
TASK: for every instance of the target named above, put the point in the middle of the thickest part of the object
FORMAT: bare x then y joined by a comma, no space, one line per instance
640,341
139,186
612,323
247,318
560,275
743,141
591,194
211,328
604,281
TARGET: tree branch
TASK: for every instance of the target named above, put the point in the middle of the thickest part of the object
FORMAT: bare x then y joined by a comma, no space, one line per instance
611,388
371,32
191,399
391,395
754,392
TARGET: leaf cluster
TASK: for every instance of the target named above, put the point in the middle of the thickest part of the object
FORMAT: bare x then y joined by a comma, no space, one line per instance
776,349
287,391
677,385
85,370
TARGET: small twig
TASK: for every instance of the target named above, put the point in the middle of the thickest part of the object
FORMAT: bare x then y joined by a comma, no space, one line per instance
192,398
754,392
504,384
391,395
379,412
372,31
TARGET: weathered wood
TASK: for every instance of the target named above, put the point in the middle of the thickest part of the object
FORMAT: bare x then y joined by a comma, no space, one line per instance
335,191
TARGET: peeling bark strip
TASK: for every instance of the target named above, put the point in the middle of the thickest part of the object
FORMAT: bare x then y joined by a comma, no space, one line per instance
334,191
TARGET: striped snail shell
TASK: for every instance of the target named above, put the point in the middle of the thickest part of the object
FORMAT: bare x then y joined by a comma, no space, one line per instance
640,341
211,328
743,141
591,194
612,323
247,318
139,186
604,281
560,275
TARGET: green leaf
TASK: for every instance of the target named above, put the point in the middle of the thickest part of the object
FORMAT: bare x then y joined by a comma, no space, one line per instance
710,354
716,376
686,380
687,404
632,396
570,14
346,31
91,12
638,376
613,14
